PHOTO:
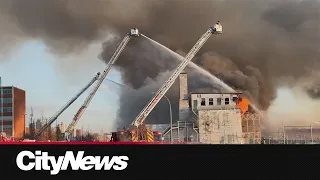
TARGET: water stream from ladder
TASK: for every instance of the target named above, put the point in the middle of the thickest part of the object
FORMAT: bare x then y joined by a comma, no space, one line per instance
200,70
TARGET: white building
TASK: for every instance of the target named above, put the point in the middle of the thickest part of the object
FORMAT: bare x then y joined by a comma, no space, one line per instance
219,118
210,118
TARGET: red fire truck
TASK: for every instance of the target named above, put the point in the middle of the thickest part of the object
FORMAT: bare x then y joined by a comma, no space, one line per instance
126,136
157,136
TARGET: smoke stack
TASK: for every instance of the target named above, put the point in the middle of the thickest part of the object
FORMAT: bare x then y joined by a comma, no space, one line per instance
183,100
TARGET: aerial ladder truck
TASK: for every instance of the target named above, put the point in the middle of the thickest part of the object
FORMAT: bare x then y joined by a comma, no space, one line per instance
133,33
139,131
66,106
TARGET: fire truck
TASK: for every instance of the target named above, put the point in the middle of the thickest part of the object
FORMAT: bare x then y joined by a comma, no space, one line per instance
125,135
157,136
4,138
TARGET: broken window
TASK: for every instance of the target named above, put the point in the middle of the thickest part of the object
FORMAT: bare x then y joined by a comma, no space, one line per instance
234,99
226,101
203,101
210,101
218,101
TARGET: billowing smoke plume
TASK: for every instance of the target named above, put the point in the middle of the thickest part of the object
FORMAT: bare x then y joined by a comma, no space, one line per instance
262,41
311,84
314,91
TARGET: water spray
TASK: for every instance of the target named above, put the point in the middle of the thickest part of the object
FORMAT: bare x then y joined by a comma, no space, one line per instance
203,72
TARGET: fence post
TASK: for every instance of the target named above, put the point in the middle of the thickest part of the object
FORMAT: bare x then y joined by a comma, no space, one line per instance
311,133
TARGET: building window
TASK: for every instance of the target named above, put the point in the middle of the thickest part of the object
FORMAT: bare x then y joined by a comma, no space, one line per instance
7,91
218,101
234,99
203,101
226,101
7,109
211,101
6,100
6,127
195,105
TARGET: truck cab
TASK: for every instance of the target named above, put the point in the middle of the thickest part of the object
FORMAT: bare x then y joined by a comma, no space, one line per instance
157,136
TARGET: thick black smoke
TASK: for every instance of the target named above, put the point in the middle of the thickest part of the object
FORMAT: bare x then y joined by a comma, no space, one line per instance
312,85
262,41
314,92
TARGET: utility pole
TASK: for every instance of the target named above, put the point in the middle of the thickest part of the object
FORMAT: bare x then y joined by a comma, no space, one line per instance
32,125
311,134
81,133
1,104
284,134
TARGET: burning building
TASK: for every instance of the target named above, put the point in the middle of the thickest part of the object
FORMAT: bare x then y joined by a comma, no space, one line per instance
214,118
219,118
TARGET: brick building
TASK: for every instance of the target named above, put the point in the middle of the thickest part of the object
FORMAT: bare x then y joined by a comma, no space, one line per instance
12,111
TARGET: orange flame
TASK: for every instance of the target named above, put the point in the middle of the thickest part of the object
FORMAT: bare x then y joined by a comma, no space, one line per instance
243,104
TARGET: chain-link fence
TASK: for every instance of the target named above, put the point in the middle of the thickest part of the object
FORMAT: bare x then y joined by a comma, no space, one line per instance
293,135
186,132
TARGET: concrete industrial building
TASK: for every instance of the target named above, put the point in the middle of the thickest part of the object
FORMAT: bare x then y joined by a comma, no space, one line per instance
212,118
219,118
12,111
251,128
184,112
184,129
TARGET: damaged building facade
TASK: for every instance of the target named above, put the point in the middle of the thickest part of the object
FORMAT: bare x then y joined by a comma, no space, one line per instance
212,118
219,118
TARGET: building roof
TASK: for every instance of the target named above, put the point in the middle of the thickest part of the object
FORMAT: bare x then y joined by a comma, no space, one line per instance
6,87
214,93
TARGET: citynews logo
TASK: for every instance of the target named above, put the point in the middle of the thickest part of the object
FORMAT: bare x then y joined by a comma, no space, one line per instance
42,161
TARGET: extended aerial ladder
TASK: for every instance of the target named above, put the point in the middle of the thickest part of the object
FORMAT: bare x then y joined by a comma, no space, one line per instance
66,106
133,33
140,132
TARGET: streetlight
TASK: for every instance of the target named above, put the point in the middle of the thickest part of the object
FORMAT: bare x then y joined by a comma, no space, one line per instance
284,133
170,109
170,117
